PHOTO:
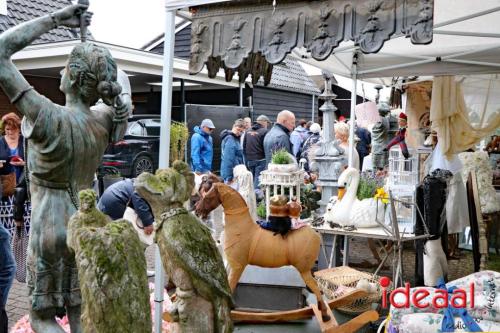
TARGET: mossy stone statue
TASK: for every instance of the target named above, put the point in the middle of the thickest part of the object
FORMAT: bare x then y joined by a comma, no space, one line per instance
112,271
188,252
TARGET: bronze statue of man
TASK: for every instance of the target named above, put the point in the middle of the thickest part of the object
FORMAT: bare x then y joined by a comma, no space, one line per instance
65,145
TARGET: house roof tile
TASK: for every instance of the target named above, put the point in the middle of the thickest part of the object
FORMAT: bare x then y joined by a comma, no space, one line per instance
290,75
19,11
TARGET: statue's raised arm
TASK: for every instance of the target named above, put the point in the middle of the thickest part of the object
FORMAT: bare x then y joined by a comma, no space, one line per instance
12,82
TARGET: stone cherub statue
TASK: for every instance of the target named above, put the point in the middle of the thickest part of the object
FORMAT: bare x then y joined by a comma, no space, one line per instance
188,252
112,271
65,145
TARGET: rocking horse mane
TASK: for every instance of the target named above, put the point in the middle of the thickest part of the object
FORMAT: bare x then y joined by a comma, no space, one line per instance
218,193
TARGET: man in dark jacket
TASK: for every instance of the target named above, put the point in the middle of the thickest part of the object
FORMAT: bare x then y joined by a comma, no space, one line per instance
202,150
231,152
279,136
364,143
117,197
253,148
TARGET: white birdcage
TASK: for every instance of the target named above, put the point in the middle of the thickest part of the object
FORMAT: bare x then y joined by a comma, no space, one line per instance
403,177
281,181
403,172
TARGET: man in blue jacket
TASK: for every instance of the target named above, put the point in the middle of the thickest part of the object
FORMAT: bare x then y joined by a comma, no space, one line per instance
279,136
231,151
202,148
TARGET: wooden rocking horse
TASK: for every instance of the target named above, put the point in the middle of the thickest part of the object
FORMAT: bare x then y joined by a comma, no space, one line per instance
246,243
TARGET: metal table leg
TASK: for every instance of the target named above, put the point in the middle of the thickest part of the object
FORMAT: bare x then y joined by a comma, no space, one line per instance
346,251
333,254
384,259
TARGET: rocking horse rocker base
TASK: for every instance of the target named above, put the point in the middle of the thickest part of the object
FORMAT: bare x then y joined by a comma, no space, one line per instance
328,326
245,243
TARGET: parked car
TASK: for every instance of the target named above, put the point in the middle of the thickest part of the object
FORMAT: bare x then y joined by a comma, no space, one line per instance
139,149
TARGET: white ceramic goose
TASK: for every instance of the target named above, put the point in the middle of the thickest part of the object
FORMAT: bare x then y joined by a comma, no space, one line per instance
349,211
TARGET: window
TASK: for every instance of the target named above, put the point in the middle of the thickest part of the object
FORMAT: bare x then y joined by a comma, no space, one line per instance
152,127
136,129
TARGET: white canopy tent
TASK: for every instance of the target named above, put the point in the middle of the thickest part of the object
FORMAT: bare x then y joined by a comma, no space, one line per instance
466,41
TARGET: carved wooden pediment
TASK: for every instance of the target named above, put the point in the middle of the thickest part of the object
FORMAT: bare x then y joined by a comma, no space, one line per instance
249,37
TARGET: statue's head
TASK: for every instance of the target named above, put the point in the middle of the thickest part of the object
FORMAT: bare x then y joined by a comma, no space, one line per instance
166,189
91,73
87,200
383,109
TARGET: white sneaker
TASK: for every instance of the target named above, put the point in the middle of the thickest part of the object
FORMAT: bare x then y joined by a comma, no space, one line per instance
150,273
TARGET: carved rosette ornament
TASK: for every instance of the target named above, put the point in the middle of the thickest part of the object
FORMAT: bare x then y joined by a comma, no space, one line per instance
326,33
236,52
379,25
421,29
199,46
248,37
283,39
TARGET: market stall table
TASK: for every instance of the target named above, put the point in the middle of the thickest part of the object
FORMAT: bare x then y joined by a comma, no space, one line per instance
378,233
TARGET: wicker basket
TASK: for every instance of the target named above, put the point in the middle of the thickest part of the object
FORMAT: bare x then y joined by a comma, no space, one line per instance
336,282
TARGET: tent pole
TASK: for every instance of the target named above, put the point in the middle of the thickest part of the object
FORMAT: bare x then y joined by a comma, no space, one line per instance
466,34
451,56
312,108
166,116
467,17
380,69
471,62
354,97
240,92
443,58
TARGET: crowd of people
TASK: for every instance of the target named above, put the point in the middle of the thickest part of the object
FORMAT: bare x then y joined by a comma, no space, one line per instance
253,145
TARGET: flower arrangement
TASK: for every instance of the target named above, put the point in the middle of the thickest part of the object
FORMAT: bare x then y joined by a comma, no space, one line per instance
382,195
281,156
368,185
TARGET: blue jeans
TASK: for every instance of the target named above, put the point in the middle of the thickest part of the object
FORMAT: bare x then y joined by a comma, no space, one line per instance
7,264
256,167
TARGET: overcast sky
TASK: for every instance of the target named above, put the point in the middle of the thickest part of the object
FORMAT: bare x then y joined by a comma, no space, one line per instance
130,23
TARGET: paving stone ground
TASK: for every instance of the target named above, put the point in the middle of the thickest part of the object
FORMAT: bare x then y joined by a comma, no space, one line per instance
17,304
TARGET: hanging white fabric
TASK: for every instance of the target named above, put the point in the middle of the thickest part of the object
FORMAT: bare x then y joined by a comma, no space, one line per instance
450,118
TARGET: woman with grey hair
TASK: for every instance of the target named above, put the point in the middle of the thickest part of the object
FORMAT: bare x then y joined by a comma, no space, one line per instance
66,144
342,135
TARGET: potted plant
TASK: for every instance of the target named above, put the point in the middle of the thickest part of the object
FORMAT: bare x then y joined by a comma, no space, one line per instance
282,161
178,140
309,199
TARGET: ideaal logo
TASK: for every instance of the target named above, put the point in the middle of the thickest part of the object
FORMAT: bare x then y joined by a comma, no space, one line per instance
417,298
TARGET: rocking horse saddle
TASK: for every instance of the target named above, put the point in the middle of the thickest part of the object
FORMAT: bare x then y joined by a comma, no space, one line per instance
281,212
277,224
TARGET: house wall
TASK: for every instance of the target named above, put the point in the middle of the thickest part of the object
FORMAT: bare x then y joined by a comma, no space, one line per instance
150,103
270,102
49,87
343,101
